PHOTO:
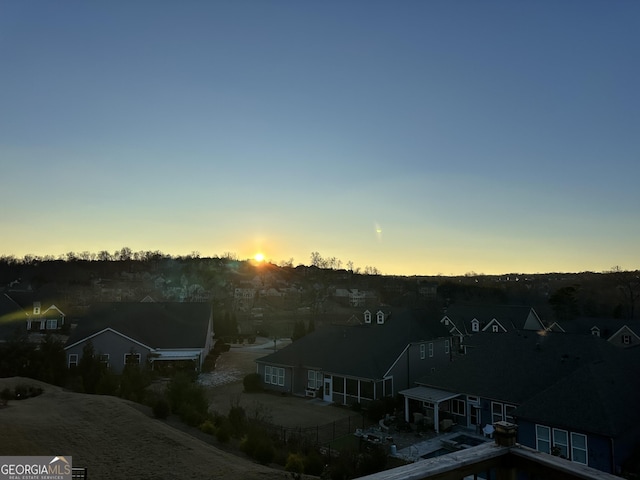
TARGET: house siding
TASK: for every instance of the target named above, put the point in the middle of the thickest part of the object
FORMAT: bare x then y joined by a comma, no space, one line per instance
116,346
598,447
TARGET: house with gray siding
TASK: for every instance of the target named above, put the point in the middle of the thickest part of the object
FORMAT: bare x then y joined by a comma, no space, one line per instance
158,334
383,351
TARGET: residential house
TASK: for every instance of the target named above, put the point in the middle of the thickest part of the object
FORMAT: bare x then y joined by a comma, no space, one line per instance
464,320
359,362
525,378
623,333
164,334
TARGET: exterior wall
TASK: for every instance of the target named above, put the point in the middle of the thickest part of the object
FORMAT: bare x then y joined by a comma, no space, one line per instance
598,447
116,346
286,387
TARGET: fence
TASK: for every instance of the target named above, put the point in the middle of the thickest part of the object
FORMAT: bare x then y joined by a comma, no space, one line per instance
321,434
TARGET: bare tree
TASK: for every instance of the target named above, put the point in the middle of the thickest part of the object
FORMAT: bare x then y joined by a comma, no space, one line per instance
628,284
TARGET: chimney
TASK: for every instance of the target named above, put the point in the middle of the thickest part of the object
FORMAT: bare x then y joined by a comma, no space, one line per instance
505,433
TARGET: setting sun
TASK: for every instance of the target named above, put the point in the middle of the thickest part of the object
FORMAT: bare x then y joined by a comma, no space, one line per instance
258,257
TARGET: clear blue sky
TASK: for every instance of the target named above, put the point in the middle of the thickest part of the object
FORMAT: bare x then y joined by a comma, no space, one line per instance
419,137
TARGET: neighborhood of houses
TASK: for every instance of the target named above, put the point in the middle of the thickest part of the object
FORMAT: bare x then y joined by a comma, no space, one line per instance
571,387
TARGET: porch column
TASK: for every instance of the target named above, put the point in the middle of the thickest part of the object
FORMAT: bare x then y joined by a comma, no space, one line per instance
406,409
436,422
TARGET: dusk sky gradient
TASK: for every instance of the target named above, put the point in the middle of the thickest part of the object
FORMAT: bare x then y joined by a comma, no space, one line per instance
418,137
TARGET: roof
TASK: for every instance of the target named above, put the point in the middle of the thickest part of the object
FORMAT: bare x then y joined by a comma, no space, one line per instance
427,394
607,326
158,325
364,350
611,387
13,319
514,367
511,317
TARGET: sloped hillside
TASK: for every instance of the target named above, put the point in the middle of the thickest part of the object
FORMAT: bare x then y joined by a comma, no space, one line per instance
112,439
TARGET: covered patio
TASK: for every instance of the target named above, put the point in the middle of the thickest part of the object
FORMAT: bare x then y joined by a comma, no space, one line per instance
428,401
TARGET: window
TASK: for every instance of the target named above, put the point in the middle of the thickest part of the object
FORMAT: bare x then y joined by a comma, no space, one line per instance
52,324
446,346
73,360
595,332
496,412
508,413
475,325
430,350
388,387
579,448
314,379
132,358
274,375
423,351
473,399
104,359
560,443
543,439
494,328
458,407
380,318
367,317
626,339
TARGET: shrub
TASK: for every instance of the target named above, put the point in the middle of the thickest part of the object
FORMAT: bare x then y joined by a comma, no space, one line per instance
237,419
223,433
294,463
208,427
161,408
264,451
191,415
313,464
252,383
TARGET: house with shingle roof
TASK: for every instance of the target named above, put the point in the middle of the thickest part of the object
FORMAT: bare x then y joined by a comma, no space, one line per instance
526,378
160,334
463,320
357,362
623,333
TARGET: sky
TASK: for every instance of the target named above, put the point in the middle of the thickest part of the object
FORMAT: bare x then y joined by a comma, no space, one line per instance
417,137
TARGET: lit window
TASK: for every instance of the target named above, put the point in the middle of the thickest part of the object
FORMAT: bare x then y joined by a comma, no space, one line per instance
543,439
579,448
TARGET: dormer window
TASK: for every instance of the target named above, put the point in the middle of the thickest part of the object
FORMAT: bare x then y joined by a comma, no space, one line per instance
494,328
475,325
367,317
380,317
626,339
595,331
36,308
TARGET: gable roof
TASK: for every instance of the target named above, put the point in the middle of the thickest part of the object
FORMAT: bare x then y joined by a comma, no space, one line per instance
511,317
363,351
607,326
514,367
601,397
158,325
